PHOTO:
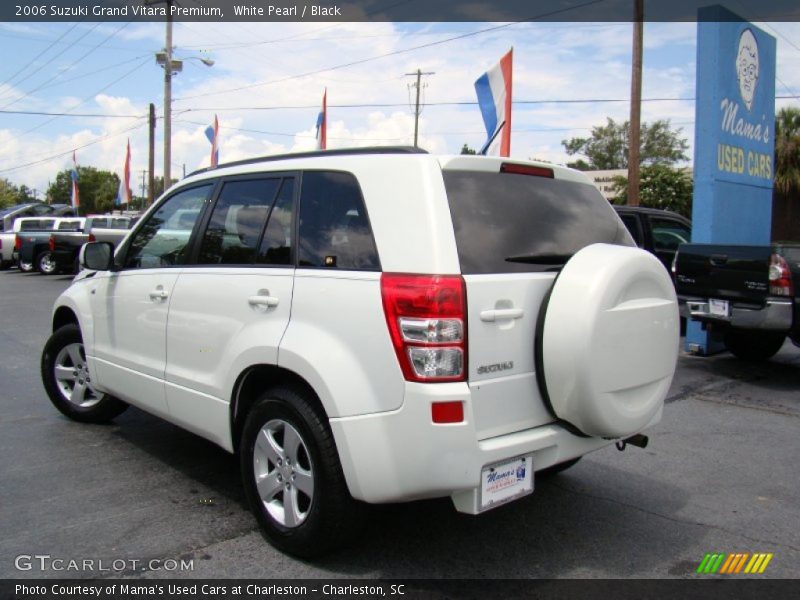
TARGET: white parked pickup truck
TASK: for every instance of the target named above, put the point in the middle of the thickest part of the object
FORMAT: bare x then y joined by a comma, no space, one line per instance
371,326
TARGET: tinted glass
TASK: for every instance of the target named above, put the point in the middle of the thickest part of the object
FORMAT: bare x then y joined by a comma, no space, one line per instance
69,225
234,231
37,224
161,241
42,209
632,225
498,216
334,228
99,222
668,234
276,248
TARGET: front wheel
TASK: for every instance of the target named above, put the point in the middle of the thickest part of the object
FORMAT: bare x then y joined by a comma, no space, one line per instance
753,345
25,267
292,476
68,383
45,264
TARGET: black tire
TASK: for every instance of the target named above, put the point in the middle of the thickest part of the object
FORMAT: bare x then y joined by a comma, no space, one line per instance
753,346
556,469
327,519
25,267
4,264
45,265
64,351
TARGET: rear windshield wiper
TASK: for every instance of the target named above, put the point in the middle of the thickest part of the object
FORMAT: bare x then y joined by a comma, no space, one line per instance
557,260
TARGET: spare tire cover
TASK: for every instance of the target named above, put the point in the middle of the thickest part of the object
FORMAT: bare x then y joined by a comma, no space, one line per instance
610,340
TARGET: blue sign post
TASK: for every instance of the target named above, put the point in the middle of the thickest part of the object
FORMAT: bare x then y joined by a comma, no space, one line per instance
734,139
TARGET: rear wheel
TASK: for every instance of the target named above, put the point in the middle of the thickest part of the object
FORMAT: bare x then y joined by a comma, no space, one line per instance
293,478
45,264
25,267
753,345
66,378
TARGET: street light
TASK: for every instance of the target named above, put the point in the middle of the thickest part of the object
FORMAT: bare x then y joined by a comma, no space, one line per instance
172,66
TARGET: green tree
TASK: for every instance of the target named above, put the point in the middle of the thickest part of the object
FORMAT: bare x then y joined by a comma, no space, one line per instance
787,149
467,150
9,193
661,187
607,148
97,189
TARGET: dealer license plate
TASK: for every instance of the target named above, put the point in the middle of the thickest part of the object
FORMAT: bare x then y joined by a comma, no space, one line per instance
719,308
506,481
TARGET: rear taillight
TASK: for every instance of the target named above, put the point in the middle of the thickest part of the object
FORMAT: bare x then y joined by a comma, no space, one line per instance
17,243
51,243
780,278
426,315
92,238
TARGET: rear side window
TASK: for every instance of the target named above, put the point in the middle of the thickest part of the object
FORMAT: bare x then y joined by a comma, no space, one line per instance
234,231
276,247
334,229
510,223
668,234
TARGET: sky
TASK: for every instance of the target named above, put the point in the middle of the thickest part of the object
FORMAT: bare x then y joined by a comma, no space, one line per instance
109,70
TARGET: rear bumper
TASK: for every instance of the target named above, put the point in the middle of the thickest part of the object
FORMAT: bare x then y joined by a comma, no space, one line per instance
401,455
775,315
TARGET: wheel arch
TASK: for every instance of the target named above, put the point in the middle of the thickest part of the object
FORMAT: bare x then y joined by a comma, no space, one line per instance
252,382
64,315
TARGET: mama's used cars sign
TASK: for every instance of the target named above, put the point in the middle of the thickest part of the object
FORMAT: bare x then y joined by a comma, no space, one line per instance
734,130
734,137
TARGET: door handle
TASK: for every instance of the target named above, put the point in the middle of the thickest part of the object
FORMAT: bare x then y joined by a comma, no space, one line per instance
263,301
501,313
159,294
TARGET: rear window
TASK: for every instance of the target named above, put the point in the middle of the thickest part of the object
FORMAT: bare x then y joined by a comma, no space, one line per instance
509,223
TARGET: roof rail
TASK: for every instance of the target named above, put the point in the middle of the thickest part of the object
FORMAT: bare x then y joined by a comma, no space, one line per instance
313,153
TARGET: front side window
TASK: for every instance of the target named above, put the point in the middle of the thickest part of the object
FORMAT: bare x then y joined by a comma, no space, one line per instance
162,240
234,230
334,229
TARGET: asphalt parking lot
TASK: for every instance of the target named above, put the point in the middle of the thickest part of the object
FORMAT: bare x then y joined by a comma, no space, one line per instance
720,475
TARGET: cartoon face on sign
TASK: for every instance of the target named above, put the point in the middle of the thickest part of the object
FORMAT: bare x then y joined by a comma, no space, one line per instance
747,67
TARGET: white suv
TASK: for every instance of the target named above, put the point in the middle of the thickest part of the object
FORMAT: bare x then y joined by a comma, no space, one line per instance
371,326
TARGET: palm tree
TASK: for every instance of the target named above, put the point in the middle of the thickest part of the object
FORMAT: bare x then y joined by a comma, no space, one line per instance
787,149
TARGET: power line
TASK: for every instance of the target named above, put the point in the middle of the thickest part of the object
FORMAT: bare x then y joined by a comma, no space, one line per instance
66,114
43,65
35,58
58,75
85,100
72,149
392,53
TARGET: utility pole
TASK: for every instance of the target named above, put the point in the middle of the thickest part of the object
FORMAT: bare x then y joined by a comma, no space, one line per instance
634,140
144,175
417,85
168,99
151,158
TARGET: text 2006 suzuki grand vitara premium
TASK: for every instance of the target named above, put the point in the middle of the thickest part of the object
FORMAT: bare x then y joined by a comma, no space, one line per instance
376,325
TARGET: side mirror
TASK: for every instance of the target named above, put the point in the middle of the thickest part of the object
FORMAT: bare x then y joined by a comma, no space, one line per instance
97,256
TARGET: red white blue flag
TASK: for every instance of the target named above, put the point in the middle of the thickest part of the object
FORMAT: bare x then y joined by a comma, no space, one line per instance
322,123
124,193
75,197
494,98
212,133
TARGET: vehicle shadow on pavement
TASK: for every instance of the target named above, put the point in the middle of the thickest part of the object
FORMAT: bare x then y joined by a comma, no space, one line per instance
565,529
